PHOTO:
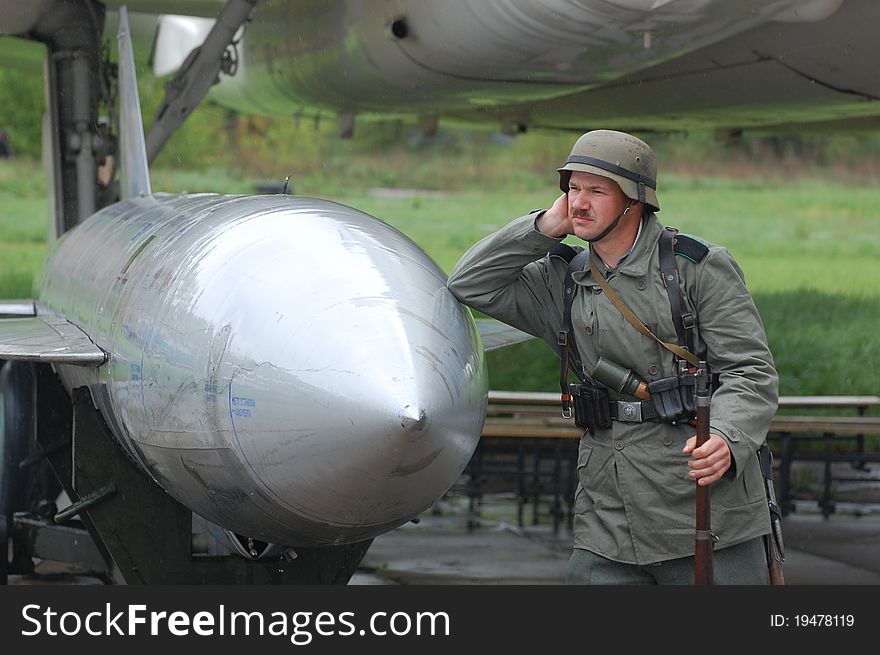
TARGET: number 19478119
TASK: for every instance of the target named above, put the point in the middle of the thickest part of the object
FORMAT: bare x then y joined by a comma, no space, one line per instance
813,620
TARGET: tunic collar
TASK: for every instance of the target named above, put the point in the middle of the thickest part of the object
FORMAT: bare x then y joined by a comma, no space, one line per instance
637,260
636,263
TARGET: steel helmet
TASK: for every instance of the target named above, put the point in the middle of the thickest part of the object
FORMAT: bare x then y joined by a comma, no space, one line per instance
621,157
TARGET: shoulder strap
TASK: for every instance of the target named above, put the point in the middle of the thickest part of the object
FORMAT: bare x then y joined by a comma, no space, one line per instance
564,251
690,248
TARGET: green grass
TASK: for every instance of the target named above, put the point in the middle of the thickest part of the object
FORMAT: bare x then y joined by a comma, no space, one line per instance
24,212
18,265
816,235
182,181
823,343
810,250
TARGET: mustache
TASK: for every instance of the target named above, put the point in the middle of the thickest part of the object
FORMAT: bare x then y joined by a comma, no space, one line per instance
581,213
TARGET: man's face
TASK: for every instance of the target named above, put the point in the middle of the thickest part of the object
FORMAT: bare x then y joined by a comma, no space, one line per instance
594,202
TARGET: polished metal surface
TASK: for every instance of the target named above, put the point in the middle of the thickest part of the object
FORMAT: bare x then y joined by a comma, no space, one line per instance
291,369
635,65
134,178
481,53
47,338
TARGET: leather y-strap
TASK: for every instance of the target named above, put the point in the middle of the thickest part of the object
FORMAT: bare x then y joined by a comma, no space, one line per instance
565,339
634,320
684,321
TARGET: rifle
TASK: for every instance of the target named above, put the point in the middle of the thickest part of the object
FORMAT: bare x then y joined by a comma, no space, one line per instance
704,539
773,541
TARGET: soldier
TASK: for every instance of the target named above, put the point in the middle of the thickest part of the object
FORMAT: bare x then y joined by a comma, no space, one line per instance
634,505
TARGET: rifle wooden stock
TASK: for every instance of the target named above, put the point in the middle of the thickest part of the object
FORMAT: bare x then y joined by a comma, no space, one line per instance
775,570
774,553
704,540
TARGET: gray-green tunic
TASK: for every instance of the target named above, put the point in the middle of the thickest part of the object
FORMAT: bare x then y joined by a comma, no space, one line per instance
634,500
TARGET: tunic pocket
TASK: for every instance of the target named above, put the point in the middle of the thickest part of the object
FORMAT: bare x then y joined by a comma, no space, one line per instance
583,457
582,503
746,489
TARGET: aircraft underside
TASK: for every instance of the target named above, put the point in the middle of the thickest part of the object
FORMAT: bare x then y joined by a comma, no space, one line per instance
624,64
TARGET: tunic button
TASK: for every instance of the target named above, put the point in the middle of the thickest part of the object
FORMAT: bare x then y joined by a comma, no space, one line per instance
618,445
667,441
653,369
641,285
597,290
588,330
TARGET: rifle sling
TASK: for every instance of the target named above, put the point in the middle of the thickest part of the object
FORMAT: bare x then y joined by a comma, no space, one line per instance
633,320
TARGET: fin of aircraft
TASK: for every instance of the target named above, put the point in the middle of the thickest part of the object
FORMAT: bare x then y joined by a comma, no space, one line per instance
47,339
134,171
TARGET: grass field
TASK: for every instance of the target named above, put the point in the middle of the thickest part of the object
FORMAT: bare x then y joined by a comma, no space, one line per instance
810,250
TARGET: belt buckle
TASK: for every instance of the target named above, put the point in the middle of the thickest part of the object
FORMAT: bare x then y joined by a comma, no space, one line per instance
630,412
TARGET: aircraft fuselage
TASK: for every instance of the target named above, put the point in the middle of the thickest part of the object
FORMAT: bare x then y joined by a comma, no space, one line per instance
289,368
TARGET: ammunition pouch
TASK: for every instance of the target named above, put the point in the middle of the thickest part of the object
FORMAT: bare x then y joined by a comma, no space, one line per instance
591,406
673,398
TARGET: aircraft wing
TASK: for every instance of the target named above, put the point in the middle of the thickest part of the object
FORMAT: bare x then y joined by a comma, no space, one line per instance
16,308
44,338
497,335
